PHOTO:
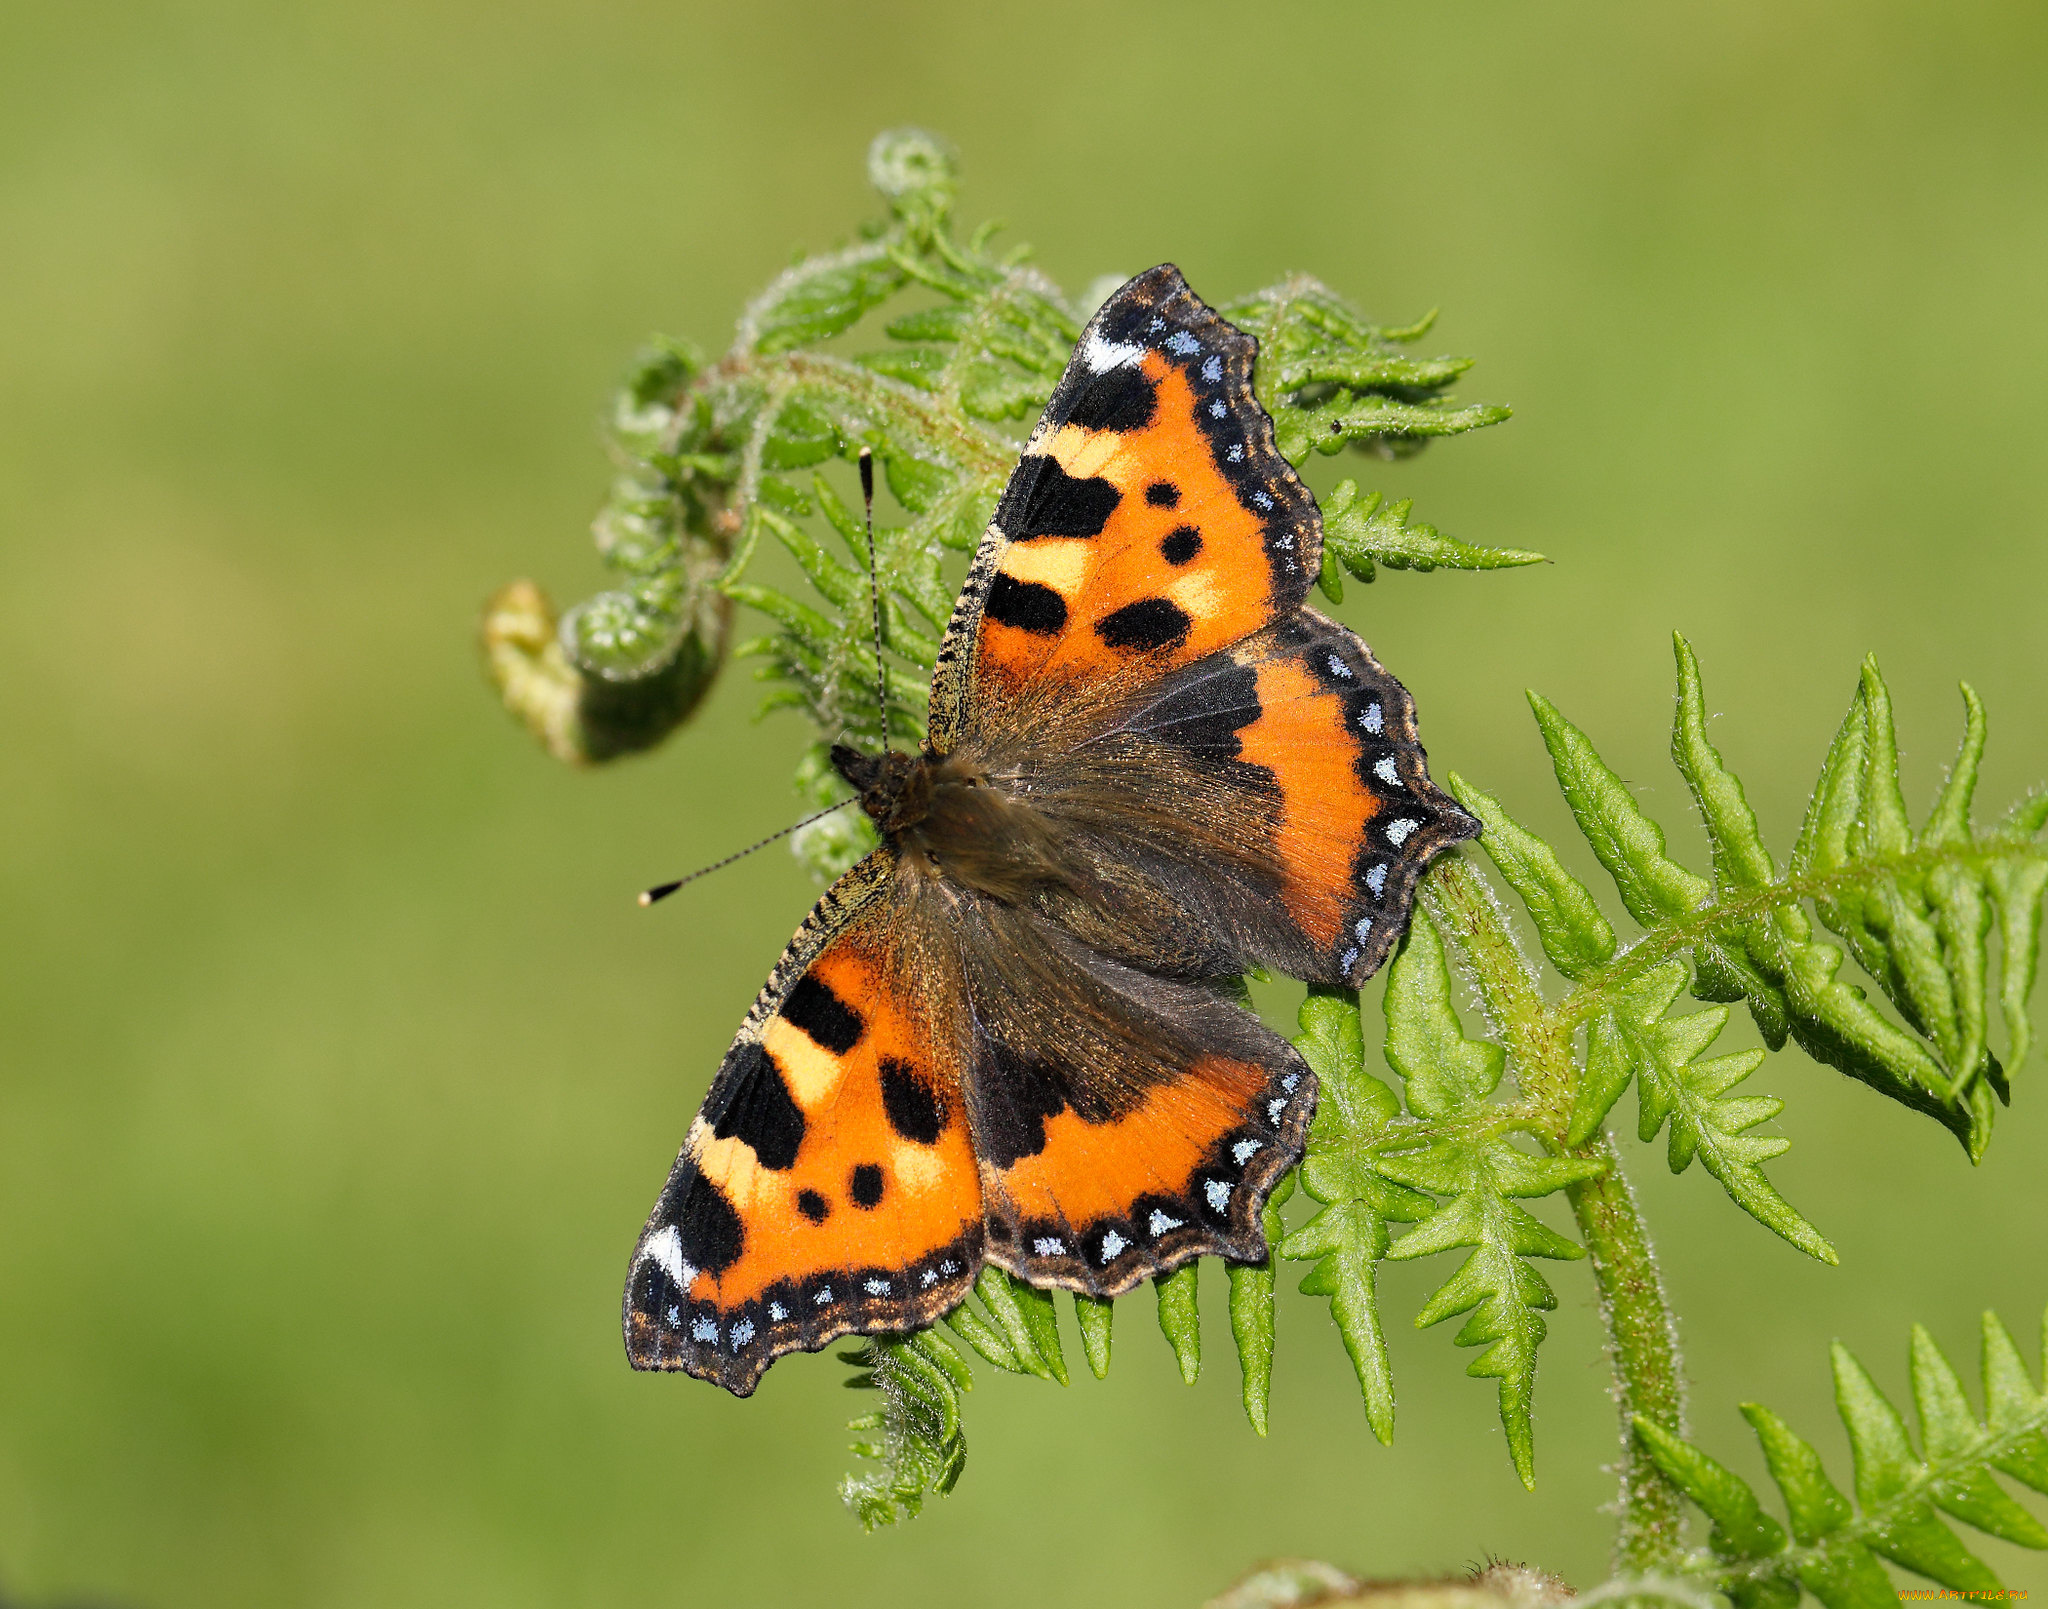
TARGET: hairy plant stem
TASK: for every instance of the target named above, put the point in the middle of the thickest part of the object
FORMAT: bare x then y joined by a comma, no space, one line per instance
1642,1352
1642,1339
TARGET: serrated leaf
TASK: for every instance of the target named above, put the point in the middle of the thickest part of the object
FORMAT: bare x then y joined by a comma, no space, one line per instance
2014,1410
1027,1320
1251,1311
1628,843
1832,1553
977,1332
941,323
2016,890
1888,1476
820,298
1180,1319
1741,1528
920,366
1352,417
1575,935
1364,531
1950,1433
1815,1504
914,1441
1095,1316
1446,1073
1635,1037
1347,1241
1348,1237
1449,1078
1741,861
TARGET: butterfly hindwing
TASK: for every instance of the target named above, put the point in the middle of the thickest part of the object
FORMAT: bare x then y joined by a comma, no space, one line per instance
1125,1123
1149,519
828,1185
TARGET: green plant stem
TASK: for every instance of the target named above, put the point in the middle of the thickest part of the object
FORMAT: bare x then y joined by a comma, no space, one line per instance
1461,903
1642,1340
1642,1351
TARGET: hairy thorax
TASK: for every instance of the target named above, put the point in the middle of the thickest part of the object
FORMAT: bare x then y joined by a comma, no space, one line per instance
948,818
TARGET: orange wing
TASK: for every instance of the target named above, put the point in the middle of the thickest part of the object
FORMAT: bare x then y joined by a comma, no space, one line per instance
1149,521
1317,739
828,1185
1124,1123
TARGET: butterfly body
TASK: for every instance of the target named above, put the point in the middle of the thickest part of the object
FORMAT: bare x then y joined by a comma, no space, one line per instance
1013,1033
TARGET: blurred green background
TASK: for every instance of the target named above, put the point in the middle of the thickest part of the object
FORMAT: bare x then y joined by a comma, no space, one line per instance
339,1069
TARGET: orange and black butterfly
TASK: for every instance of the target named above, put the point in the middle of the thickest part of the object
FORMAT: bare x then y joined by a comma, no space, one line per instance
1010,1034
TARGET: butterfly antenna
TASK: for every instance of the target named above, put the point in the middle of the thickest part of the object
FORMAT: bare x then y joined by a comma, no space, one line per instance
661,891
867,494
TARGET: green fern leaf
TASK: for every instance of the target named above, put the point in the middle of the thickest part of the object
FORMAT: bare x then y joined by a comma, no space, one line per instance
1361,532
818,299
1348,1238
914,1440
1469,1158
1901,1495
1180,1318
1026,1320
1916,911
1095,1316
1950,1431
1574,934
1251,1311
1330,380
1634,1038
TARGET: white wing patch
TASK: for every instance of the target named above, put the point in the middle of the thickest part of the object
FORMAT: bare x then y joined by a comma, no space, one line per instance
1102,356
665,1250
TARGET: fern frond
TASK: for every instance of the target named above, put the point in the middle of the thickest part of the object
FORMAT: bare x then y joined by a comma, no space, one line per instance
1362,531
1914,909
1348,1238
1016,1327
1252,1310
1901,1495
1331,380
913,1441
1470,1159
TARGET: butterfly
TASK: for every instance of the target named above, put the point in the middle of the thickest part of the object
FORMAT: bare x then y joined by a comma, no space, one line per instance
1012,1033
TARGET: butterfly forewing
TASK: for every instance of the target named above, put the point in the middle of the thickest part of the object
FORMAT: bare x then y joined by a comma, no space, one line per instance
1150,517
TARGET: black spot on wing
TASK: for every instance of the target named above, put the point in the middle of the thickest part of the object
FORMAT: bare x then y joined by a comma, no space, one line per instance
706,1224
1148,624
1180,545
761,1111
865,1185
1044,500
813,1206
1122,399
1163,494
1012,1103
915,1110
813,1007
1027,605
